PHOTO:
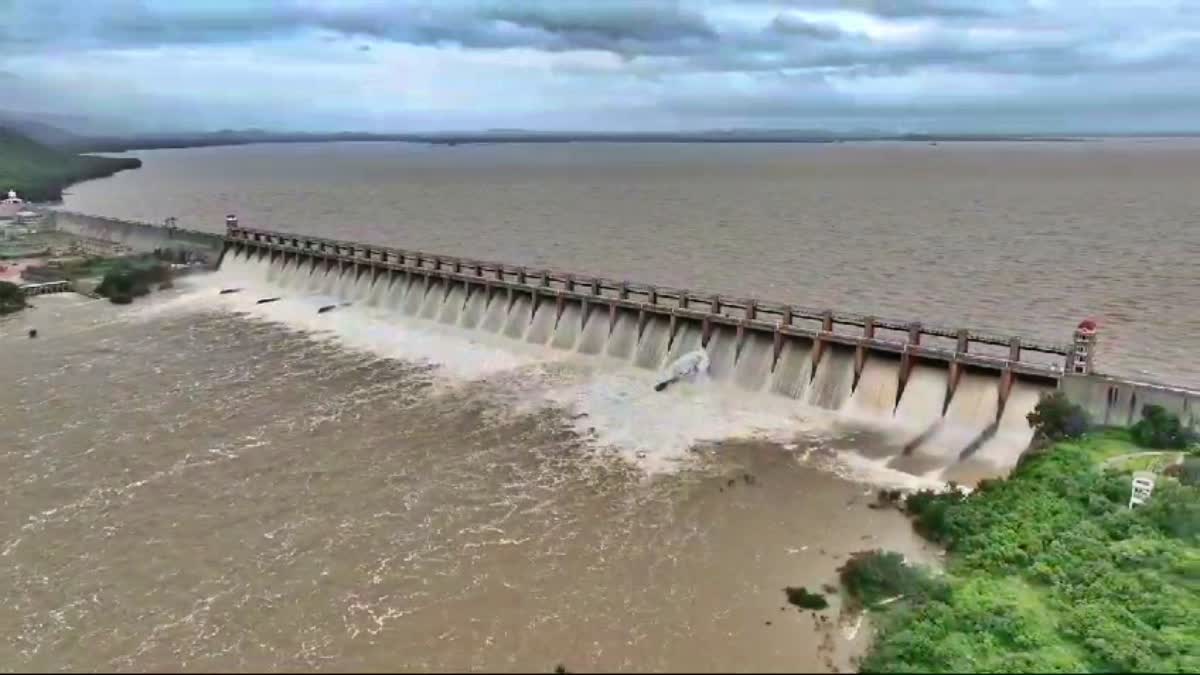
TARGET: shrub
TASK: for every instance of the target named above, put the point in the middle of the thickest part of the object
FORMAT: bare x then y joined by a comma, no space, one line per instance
801,597
1189,471
871,577
1056,418
12,298
1160,429
126,281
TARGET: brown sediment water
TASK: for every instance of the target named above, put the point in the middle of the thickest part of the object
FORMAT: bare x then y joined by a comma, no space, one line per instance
200,482
1025,238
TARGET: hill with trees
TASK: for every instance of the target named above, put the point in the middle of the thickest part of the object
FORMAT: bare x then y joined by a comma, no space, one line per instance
40,173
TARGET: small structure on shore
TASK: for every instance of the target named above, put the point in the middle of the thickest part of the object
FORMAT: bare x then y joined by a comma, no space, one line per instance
12,205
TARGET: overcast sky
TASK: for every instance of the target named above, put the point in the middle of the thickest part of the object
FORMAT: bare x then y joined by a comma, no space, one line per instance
892,65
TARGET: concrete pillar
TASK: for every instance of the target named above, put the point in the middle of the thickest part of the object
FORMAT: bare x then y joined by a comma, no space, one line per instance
1006,383
787,316
906,357
652,296
458,267
545,279
570,283
683,298
705,330
860,351
623,291
1014,349
522,277
670,327
595,287
716,305
231,222
751,310
499,273
776,345
560,301
963,343
819,344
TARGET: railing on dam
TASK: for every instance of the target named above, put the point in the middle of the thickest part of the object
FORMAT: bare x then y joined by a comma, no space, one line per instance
46,288
742,313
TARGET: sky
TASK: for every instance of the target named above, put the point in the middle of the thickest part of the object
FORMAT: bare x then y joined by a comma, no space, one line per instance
970,66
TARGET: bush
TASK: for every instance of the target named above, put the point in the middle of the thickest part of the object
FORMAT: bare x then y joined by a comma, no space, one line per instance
1160,429
126,281
1188,472
12,298
1056,418
1049,571
870,577
801,597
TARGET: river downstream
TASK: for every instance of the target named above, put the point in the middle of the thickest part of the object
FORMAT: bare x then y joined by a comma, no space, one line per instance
190,485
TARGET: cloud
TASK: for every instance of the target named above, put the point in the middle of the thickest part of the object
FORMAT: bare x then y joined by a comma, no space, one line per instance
601,63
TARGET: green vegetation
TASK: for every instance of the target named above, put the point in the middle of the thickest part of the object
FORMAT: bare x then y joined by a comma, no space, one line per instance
39,173
129,279
1048,571
802,598
875,578
1055,418
1160,429
12,298
91,267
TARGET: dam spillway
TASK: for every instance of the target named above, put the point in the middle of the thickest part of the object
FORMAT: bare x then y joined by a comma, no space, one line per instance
952,402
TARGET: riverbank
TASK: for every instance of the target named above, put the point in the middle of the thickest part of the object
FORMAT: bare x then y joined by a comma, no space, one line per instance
40,173
1051,571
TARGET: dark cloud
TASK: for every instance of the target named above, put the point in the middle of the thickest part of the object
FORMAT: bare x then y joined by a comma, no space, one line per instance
687,57
939,8
790,26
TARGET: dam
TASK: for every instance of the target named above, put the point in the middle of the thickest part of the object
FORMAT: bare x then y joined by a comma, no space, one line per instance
953,401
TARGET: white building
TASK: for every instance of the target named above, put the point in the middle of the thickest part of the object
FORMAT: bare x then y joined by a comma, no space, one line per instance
9,208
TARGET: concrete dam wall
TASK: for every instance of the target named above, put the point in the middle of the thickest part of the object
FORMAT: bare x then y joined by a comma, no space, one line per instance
950,403
140,237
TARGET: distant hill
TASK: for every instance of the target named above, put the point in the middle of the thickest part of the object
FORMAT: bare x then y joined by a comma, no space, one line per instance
39,172
44,131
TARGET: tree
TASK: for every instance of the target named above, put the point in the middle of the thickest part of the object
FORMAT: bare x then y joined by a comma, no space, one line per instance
1160,429
1056,418
12,298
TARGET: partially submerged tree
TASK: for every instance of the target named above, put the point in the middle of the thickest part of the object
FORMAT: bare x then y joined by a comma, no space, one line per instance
12,298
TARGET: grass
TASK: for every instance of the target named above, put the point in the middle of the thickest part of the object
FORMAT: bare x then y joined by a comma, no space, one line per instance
40,173
1050,571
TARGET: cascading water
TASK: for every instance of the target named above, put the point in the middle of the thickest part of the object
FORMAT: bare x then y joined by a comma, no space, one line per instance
925,440
793,371
624,336
753,367
652,348
874,399
834,378
722,351
595,331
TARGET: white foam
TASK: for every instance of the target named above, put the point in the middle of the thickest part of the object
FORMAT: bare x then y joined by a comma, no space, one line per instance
612,404
658,430
460,355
